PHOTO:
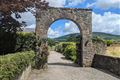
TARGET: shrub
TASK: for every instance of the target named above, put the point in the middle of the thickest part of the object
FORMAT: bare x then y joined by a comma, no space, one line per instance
98,39
12,65
68,49
25,41
109,42
65,44
51,42
22,42
7,42
70,52
59,48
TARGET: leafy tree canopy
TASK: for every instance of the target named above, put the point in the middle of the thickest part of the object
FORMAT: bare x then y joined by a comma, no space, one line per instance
9,6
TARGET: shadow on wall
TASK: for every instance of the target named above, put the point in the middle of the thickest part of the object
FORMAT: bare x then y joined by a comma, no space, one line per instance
111,64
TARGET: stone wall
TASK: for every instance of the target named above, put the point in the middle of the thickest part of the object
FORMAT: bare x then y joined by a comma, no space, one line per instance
82,18
25,73
99,47
111,64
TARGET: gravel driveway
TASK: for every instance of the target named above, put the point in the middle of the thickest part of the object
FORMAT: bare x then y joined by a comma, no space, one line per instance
61,69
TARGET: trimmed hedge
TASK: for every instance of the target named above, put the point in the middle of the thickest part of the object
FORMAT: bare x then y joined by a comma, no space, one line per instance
68,49
12,65
25,41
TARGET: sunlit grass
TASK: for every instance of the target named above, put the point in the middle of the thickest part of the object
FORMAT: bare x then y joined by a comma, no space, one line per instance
113,51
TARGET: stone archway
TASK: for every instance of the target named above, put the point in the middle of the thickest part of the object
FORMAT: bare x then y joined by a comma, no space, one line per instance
82,17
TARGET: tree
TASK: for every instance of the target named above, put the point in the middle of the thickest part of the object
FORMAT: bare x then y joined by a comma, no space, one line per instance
51,42
9,6
9,26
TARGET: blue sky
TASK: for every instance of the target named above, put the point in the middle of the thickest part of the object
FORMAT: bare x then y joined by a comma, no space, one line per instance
105,17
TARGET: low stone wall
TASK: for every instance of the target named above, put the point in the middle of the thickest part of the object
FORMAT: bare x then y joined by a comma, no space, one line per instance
111,64
25,73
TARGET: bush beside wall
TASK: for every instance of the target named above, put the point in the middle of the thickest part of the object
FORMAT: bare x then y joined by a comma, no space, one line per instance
68,49
70,52
12,65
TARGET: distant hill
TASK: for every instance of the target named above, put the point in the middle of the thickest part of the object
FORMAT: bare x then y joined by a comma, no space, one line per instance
66,37
105,36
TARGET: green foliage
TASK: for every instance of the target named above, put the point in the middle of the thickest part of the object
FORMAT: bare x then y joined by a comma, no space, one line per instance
21,41
106,36
69,38
59,48
7,42
109,42
25,41
76,37
8,28
12,65
98,39
68,49
51,42
70,52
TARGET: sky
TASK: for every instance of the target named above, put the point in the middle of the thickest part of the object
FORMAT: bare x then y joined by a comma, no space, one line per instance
105,17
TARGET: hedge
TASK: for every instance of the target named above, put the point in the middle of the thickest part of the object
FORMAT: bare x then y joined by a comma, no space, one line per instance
12,65
60,47
70,52
68,49
23,41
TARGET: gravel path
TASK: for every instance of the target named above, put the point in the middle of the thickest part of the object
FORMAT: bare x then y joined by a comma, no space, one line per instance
61,69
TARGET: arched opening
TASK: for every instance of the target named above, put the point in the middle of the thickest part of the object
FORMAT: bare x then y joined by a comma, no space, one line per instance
65,37
82,17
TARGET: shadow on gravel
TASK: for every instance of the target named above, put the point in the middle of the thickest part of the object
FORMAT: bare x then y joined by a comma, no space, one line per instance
64,64
107,72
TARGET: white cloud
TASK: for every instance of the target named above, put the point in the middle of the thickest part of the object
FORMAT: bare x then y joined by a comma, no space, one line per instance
31,26
53,33
90,5
71,27
63,3
105,4
108,4
27,17
56,3
109,23
73,2
68,28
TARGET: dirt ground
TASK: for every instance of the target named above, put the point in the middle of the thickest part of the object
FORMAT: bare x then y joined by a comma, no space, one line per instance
61,69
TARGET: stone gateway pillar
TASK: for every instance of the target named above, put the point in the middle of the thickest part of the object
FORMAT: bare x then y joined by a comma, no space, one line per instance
83,19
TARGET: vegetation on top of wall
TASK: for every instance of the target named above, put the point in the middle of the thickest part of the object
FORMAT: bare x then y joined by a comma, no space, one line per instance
12,65
109,42
98,39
